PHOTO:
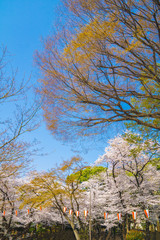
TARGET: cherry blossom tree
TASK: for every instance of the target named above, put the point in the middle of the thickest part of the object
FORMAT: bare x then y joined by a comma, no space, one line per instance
16,221
57,189
133,181
130,184
11,218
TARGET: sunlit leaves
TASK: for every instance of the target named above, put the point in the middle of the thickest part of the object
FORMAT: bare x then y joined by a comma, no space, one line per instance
104,70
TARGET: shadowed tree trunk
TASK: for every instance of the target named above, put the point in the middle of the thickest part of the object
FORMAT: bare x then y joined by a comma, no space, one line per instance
147,230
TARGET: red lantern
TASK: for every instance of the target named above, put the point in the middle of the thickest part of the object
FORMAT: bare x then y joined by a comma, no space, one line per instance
70,212
16,212
77,213
105,215
85,213
146,211
64,209
28,211
4,212
134,215
119,215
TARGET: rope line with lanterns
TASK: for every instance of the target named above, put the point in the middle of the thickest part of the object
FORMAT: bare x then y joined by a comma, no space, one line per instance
77,213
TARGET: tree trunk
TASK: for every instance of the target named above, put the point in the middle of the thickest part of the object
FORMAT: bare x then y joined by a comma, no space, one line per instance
128,223
147,230
108,235
114,233
124,227
76,233
121,231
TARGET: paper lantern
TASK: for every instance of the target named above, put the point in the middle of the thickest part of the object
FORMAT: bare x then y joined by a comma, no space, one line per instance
85,213
64,209
16,212
28,211
40,208
77,213
134,215
4,212
119,215
146,211
105,215
70,212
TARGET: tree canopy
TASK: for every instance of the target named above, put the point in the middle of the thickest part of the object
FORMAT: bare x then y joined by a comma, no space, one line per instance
104,69
130,184
87,173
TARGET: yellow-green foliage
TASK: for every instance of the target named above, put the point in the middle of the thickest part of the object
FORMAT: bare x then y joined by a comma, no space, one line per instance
47,188
87,173
135,235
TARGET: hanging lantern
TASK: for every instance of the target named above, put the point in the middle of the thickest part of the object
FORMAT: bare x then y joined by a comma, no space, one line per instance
134,215
64,209
146,211
105,215
28,211
70,212
85,213
40,208
4,212
77,213
16,212
119,215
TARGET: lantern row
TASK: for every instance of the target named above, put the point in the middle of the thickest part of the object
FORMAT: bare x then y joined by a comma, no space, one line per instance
16,212
119,215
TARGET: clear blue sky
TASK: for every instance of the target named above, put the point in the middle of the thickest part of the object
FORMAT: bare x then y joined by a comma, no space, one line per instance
23,23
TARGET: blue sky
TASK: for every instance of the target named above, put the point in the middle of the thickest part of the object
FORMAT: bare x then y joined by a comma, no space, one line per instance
23,23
